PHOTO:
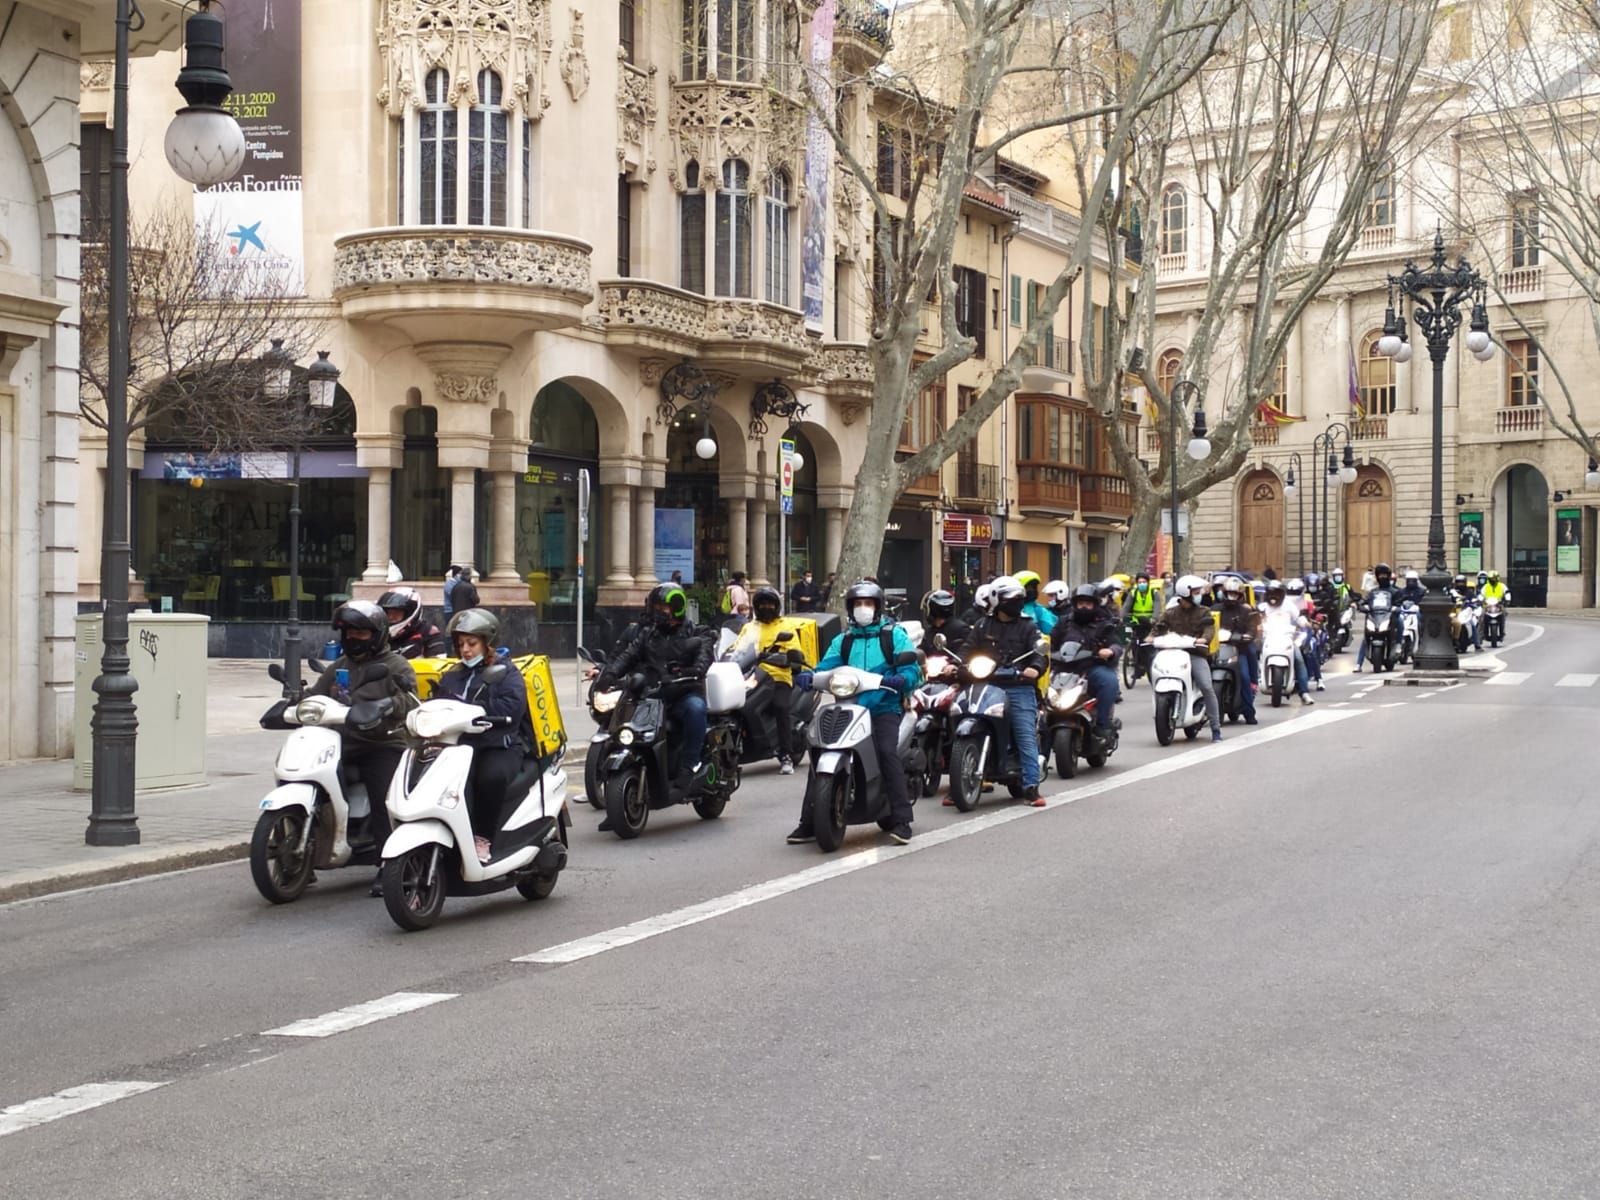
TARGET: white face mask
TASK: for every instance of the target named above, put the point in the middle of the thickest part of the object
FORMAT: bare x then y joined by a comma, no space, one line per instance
863,614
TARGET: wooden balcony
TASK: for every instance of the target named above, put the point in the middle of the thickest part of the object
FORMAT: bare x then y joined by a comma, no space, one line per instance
1047,489
1526,418
1106,496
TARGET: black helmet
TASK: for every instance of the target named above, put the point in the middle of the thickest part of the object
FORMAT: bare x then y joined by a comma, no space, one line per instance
362,614
475,622
667,604
1383,571
939,605
865,591
1086,591
409,604
766,601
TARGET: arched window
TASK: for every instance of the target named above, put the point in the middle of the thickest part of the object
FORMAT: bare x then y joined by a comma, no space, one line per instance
1376,377
436,138
486,154
692,232
1174,220
1167,367
778,242
734,217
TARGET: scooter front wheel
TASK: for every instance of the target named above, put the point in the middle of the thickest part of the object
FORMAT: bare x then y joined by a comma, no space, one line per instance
280,870
414,887
1066,749
828,799
627,803
710,807
1166,709
966,780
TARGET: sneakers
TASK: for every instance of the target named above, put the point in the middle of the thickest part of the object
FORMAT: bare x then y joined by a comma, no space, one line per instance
484,848
1032,797
1216,735
1320,688
947,802
1305,700
785,767
1251,721
900,835
801,835
605,826
376,889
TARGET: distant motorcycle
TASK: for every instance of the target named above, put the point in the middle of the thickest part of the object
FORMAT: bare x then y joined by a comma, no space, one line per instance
846,785
934,706
1494,620
1070,728
1410,629
1380,631
1277,664
1226,675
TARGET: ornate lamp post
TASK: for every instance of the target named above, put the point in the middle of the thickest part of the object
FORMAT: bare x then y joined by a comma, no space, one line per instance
1291,490
1436,293
203,145
1339,471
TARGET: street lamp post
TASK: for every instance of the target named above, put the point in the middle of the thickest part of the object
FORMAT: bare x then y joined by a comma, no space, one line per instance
204,145
1337,472
1291,489
1436,293
1198,448
322,383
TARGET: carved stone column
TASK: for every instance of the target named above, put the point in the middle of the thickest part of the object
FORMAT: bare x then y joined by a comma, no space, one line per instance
644,537
757,558
619,537
833,542
379,497
463,513
503,544
737,543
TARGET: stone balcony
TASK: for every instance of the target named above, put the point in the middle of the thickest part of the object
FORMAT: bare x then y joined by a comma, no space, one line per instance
443,283
748,339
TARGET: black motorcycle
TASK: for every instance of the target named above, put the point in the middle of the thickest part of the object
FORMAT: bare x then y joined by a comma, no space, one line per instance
640,766
759,716
1068,725
601,705
1226,676
983,750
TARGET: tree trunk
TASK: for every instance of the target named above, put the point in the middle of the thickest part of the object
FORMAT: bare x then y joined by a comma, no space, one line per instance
1143,526
878,485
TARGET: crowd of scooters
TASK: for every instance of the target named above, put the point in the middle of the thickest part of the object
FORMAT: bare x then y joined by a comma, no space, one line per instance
455,795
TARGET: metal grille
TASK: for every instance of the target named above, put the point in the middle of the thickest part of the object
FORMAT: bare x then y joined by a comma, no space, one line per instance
833,721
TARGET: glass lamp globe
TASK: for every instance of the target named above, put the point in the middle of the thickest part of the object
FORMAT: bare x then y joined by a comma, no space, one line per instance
1199,448
706,448
1477,340
797,460
1485,354
1347,475
1403,355
1591,478
204,145
1389,345
1289,489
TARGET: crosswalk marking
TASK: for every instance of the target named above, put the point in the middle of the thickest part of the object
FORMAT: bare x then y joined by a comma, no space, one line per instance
1577,680
1509,678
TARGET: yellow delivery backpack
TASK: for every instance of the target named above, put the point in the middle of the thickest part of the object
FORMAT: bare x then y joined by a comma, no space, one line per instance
549,732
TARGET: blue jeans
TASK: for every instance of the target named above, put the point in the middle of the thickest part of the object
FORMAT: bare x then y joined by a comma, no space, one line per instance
1022,711
1247,677
1299,671
1103,686
689,720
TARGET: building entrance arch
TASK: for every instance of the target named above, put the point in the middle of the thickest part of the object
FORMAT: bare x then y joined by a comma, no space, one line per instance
1521,546
1260,523
564,437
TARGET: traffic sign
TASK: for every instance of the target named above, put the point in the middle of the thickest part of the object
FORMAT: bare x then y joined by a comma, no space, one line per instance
786,473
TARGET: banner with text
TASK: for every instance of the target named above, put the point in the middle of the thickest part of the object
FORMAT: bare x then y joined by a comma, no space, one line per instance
1469,543
255,222
819,163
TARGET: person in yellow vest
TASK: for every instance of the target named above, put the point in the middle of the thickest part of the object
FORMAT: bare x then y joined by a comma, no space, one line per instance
1493,588
1142,604
779,659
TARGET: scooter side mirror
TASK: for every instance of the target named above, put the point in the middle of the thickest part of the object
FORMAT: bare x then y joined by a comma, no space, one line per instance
275,670
273,717
940,641
316,665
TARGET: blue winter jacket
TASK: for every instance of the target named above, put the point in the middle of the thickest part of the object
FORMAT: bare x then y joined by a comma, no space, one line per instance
860,646
1042,616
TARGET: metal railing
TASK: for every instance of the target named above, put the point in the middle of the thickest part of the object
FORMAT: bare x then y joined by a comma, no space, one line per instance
1054,353
977,481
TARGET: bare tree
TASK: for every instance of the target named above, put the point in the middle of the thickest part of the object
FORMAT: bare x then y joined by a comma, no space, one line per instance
1279,142
989,48
199,321
1530,175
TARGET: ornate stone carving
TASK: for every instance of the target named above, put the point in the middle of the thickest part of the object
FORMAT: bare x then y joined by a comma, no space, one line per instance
510,37
636,114
574,63
654,307
749,321
840,362
466,389
848,412
651,370
711,122
96,73
847,221
477,256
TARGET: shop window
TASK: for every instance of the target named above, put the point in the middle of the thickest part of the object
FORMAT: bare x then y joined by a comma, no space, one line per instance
564,440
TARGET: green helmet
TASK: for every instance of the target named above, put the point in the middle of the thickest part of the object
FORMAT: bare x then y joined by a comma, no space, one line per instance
668,603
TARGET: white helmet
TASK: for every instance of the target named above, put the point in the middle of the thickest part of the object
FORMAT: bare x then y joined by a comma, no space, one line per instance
983,598
1055,591
1189,586
1006,587
1410,576
1297,587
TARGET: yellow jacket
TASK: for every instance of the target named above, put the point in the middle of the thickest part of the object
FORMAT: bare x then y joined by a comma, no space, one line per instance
765,635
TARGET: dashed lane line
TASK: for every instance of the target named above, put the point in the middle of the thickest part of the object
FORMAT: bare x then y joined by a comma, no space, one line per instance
1508,679
357,1015
719,906
32,1113
1577,681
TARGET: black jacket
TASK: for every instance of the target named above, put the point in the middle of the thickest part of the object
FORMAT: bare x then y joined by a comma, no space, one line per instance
1413,592
666,653
399,685
1240,619
464,597
1013,643
425,641
956,635
1104,632
805,597
504,697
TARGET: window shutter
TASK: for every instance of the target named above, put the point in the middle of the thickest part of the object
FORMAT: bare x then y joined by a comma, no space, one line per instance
886,180
1016,300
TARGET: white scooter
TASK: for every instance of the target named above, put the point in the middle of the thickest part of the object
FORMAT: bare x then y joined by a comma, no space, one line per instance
1410,629
317,816
1179,703
1277,663
431,852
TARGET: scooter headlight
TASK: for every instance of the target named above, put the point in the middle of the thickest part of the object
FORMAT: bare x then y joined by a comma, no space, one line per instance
1061,698
425,725
604,702
980,667
625,737
310,712
844,683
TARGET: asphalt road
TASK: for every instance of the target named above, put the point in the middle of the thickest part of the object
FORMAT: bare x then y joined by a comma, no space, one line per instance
1350,953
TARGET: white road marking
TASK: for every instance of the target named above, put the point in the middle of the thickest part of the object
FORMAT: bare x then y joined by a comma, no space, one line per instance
78,1099
718,906
1393,704
1577,680
1508,678
358,1015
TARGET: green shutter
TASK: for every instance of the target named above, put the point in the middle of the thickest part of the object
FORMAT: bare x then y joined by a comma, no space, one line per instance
1033,301
1016,300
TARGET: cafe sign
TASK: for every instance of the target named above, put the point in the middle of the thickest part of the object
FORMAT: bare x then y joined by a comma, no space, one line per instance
960,529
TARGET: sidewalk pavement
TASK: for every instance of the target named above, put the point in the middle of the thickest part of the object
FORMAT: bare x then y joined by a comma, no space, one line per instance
44,851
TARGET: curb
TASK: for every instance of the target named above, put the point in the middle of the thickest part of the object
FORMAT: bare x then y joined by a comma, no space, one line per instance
74,878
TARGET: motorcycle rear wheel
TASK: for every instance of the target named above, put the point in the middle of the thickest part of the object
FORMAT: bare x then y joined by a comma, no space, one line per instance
280,875
1066,751
413,904
627,803
966,784
931,774
1276,676
710,807
593,790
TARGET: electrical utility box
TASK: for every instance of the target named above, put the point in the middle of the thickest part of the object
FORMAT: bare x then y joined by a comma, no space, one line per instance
168,656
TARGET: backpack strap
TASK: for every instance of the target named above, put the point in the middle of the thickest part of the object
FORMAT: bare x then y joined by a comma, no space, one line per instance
885,646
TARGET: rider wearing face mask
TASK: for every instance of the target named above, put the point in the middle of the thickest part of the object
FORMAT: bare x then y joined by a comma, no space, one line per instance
375,672
1095,628
1031,607
1192,619
1281,618
871,643
1012,637
1243,623
940,611
498,753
